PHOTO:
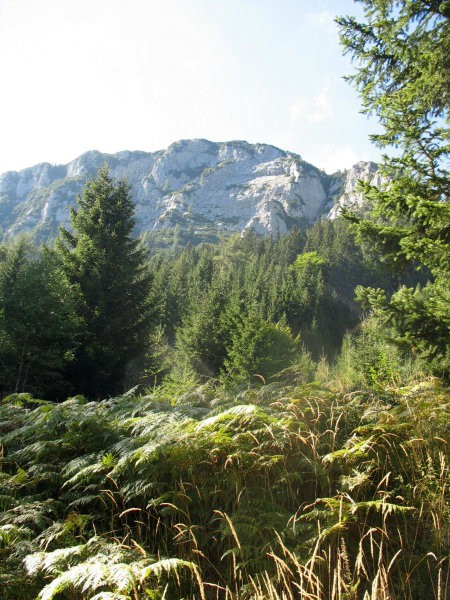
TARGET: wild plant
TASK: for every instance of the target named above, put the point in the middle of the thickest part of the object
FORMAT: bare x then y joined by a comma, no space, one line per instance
277,491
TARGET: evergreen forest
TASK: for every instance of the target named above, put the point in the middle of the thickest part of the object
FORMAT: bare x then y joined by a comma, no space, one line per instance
255,418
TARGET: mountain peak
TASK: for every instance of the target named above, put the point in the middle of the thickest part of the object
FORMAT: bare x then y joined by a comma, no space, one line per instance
196,185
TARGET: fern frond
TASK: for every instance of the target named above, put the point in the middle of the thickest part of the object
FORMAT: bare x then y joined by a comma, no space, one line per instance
172,566
109,596
385,508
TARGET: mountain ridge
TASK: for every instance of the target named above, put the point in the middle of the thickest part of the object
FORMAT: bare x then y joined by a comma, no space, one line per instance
193,185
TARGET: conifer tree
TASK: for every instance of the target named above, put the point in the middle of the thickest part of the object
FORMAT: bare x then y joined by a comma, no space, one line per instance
202,338
107,264
257,348
402,53
38,323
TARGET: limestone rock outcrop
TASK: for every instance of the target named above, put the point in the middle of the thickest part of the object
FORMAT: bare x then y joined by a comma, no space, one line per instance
195,184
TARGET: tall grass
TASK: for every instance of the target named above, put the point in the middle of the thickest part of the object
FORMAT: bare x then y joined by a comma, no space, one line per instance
284,491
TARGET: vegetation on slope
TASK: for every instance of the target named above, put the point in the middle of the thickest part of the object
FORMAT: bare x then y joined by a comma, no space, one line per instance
243,307
211,485
289,490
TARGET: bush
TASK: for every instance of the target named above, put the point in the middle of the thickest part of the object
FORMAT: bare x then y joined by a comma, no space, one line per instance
374,358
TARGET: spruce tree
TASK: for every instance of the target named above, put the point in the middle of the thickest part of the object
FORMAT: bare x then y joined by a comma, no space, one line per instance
402,54
257,348
38,323
107,264
201,339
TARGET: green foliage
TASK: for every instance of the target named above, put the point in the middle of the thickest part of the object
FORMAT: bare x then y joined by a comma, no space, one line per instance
164,496
107,266
373,357
38,322
257,347
209,294
308,260
401,51
421,314
201,341
108,567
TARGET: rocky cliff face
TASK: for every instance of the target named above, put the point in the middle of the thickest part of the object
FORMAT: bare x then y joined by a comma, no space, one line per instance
195,184
348,196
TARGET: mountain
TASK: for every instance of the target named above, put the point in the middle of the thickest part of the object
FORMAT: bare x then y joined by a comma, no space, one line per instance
202,187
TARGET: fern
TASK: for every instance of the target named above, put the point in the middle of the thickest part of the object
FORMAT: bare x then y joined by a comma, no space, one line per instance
102,570
89,509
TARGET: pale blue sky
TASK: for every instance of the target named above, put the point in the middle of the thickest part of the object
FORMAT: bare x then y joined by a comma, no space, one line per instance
140,74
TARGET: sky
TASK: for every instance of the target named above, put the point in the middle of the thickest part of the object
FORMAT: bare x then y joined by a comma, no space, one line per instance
112,75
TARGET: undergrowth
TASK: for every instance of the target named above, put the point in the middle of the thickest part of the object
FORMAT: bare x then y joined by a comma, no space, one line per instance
283,491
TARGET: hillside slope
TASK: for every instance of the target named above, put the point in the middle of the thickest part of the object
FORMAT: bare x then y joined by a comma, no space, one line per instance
201,186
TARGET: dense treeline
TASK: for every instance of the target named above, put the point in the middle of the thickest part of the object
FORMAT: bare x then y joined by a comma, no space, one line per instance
221,303
38,322
80,319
